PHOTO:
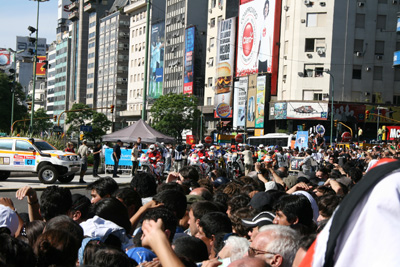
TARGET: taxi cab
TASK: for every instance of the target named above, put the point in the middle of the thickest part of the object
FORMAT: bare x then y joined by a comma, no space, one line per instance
22,154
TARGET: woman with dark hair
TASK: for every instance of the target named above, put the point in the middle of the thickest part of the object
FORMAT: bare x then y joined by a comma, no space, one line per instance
33,230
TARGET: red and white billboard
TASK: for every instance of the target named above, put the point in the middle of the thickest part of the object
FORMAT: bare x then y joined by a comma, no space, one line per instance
258,36
393,133
40,71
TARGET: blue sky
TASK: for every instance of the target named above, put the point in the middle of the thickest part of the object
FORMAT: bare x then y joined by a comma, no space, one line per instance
17,15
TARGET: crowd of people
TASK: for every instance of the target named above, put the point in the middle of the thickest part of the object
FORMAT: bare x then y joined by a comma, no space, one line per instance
269,216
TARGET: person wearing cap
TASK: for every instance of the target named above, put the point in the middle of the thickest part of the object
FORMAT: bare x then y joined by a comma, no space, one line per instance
258,221
83,152
261,152
116,156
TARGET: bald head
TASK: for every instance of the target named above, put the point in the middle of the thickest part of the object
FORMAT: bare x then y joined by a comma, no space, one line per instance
249,262
203,192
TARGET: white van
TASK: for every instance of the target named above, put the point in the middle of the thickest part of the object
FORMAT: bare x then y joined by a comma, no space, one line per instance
22,154
272,139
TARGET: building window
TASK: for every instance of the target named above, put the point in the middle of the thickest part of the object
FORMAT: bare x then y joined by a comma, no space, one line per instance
318,97
379,47
313,70
315,45
397,75
358,45
210,83
212,23
360,21
209,101
213,3
396,100
381,22
316,19
378,73
357,72
311,94
382,1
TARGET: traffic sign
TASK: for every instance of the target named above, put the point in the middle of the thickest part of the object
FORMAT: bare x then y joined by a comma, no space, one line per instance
208,139
239,138
3,134
86,128
346,137
57,129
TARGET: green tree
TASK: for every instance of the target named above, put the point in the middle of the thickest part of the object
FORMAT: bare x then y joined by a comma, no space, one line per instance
86,116
20,110
173,113
41,125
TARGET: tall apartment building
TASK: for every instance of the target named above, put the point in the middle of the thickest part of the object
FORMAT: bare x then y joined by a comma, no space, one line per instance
51,78
181,14
137,10
113,66
217,10
354,40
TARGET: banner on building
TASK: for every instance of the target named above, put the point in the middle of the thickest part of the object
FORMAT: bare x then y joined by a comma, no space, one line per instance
63,9
5,59
386,113
251,102
351,113
258,36
393,133
40,62
307,110
225,64
23,43
239,102
156,60
260,104
189,61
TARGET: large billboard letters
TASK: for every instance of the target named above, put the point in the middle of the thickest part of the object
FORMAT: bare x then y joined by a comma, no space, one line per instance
156,60
258,36
225,65
189,58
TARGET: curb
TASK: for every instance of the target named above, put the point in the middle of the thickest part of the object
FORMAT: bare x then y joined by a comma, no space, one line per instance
42,187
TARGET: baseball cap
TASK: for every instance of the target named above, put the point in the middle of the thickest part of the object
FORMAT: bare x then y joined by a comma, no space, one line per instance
220,181
261,201
261,219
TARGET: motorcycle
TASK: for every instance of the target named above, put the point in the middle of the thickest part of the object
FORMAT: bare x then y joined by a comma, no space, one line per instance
147,166
234,165
202,169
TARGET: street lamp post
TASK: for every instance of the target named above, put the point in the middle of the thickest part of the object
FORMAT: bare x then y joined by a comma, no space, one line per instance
332,83
13,86
34,69
144,108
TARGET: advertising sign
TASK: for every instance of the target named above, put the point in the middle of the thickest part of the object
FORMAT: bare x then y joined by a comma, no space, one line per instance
239,103
225,63
40,71
396,58
24,44
5,58
348,112
301,140
279,111
63,9
307,110
387,114
260,105
189,61
156,60
251,101
393,133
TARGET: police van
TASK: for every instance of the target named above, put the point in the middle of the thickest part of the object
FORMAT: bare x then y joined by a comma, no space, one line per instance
19,154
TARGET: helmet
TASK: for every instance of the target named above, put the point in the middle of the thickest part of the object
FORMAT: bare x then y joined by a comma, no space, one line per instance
212,148
261,146
152,147
200,146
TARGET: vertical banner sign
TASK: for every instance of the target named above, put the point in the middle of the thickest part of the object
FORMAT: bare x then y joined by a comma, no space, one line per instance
301,139
258,36
189,58
40,71
224,63
156,60
239,103
260,105
251,101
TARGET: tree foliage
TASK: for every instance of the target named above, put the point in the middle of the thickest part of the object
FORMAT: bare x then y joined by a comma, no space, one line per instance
173,113
86,116
41,125
20,110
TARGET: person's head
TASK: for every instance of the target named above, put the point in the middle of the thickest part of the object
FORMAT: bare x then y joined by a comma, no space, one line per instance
169,220
255,223
203,192
234,248
90,250
191,247
112,257
322,174
237,202
113,210
304,244
55,201
173,200
84,142
327,205
119,142
8,220
293,209
145,184
102,188
189,173
212,224
79,210
56,248
276,245
197,211
65,223
139,140
33,230
130,198
236,218
14,252
247,261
